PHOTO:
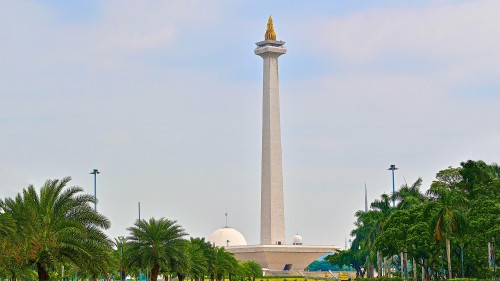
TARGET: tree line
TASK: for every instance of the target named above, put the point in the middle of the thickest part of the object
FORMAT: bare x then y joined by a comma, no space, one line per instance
55,234
451,230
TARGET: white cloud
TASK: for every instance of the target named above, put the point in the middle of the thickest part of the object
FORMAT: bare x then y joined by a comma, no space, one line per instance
441,32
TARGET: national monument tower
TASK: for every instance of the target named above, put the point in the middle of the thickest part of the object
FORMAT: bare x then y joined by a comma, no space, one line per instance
273,254
272,217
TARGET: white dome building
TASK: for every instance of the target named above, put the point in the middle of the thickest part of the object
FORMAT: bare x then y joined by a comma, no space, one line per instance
297,239
227,236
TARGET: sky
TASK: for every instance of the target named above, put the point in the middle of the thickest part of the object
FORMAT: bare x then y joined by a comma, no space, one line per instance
165,99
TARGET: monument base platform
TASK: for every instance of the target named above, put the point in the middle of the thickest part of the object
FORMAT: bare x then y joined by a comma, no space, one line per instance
281,257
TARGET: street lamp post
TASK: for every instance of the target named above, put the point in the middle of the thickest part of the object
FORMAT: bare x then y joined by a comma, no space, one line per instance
393,168
139,209
121,261
95,172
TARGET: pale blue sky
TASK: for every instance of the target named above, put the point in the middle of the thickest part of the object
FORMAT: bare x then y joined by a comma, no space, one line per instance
164,98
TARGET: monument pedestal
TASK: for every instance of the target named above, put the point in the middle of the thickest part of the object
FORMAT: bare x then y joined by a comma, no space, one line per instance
281,257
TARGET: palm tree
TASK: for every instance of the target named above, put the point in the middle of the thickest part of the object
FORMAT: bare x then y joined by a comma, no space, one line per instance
119,253
7,224
210,252
251,270
155,244
382,210
409,196
366,231
58,226
225,264
199,261
11,250
447,214
181,263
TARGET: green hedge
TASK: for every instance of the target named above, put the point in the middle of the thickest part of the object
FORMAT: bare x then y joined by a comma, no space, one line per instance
283,277
468,279
292,278
401,279
381,279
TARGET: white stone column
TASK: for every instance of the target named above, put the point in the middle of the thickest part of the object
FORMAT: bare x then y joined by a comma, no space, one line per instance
272,207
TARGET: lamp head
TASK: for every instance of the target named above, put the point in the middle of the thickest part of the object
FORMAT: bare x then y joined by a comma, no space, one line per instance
95,172
392,167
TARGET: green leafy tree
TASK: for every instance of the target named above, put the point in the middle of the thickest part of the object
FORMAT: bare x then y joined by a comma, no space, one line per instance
154,244
58,226
409,195
12,251
182,263
365,233
481,185
393,238
120,250
197,249
350,258
209,252
447,209
251,270
459,212
382,210
225,264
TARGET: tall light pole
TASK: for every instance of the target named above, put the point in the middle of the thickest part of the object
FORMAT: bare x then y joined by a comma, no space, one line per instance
95,172
121,259
139,209
393,168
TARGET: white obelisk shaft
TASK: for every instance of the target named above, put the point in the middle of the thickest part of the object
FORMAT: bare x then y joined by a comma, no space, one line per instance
272,208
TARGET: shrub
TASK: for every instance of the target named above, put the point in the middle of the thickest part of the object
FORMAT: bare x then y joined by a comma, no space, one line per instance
381,279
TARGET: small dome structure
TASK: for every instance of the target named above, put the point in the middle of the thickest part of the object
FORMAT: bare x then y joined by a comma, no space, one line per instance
227,236
297,239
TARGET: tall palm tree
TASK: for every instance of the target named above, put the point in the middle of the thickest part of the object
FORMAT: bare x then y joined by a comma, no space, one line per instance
447,215
119,252
181,263
199,261
210,252
7,225
251,270
58,226
370,224
225,263
366,231
11,249
382,210
408,196
155,244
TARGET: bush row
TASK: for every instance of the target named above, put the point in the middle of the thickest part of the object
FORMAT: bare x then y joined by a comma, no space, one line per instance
381,279
401,279
291,278
468,279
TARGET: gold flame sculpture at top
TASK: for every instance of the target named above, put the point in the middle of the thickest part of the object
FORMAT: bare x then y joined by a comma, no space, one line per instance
270,34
